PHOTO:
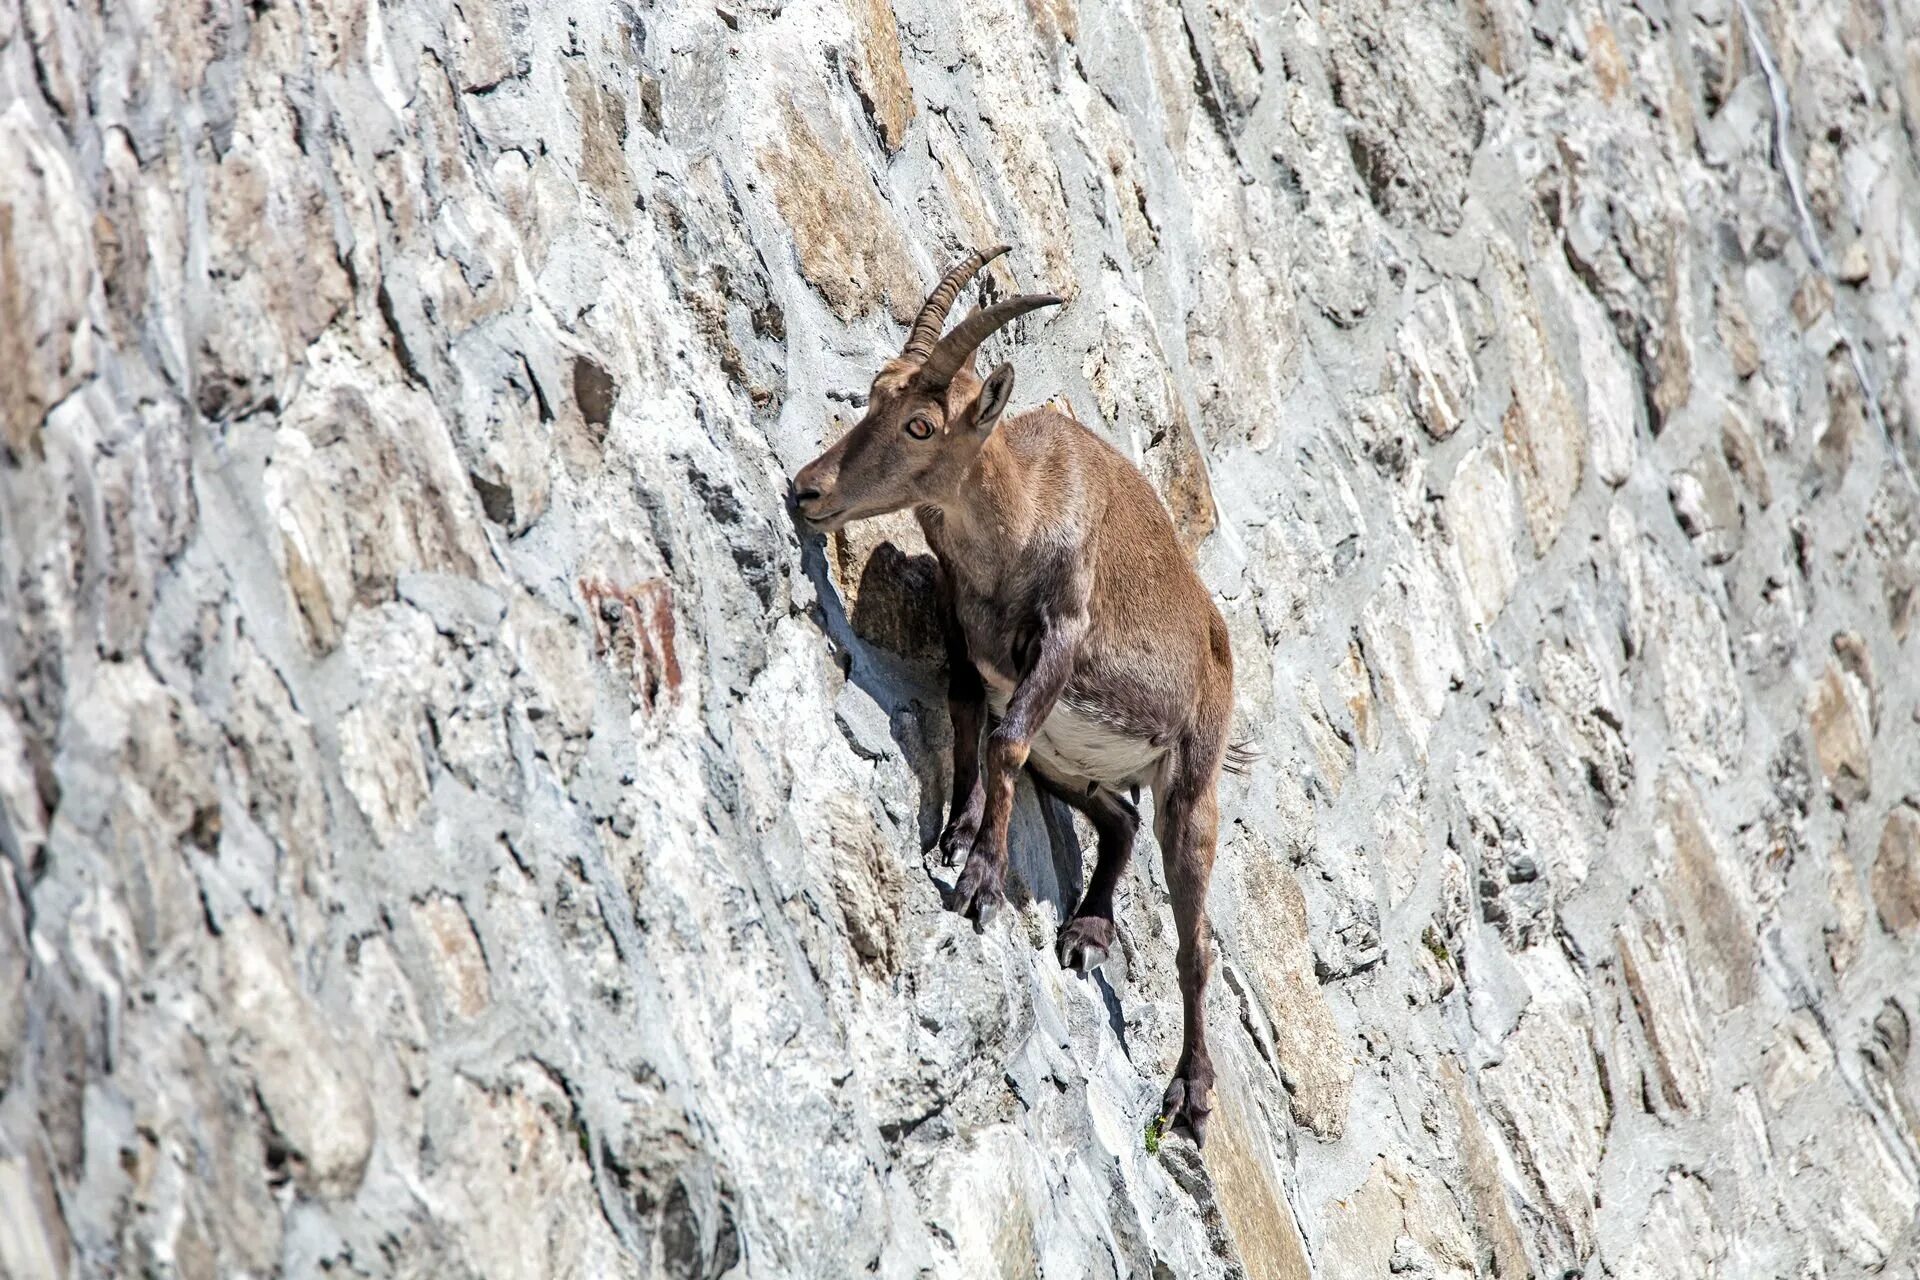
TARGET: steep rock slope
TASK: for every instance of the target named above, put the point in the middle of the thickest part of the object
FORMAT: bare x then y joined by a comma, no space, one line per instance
454,825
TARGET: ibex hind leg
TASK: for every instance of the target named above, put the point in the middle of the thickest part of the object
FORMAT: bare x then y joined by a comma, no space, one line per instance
1186,821
967,707
1087,937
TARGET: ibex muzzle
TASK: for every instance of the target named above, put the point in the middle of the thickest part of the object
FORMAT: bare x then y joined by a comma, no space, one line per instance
1075,624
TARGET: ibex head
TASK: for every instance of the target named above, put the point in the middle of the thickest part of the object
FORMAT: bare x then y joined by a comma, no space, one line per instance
928,413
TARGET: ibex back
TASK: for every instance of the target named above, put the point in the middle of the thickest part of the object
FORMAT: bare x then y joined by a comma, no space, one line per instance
1075,622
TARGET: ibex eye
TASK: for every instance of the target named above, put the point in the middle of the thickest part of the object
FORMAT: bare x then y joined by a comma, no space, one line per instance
919,428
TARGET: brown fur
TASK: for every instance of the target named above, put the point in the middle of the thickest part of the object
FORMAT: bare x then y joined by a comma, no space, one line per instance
1067,587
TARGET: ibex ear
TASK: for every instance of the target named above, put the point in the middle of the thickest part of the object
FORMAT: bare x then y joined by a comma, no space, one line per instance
994,395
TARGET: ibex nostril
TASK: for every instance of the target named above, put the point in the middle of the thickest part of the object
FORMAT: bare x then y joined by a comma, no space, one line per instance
806,495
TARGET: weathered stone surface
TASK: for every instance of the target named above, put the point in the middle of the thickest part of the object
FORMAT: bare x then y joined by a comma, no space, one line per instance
1311,1054
1252,1200
1547,1093
45,274
1840,725
1481,1182
1707,507
1398,1220
1895,879
311,1089
13,975
1717,925
517,1138
881,78
452,822
1411,636
849,248
1480,516
1612,397
1434,346
1545,434
1700,695
461,967
1662,991
1678,1238
1844,934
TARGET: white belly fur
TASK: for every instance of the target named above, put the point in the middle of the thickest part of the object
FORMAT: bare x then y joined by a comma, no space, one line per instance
1075,746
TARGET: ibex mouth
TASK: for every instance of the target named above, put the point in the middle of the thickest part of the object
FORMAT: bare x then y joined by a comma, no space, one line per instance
823,521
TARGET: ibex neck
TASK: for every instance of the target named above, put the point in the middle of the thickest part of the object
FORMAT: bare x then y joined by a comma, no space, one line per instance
992,502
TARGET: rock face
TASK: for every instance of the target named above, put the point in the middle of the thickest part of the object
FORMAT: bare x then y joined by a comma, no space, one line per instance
452,824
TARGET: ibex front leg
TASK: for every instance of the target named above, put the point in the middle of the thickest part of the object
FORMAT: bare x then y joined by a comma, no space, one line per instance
982,884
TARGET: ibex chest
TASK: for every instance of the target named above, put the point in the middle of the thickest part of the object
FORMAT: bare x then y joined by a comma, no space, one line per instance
1083,740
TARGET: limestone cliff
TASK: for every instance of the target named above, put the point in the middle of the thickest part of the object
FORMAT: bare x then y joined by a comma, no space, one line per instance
453,825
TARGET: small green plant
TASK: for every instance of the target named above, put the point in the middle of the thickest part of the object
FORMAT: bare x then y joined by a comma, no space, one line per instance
1436,945
1156,1130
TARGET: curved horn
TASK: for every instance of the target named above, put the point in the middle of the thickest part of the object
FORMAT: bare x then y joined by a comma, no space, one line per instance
952,351
933,312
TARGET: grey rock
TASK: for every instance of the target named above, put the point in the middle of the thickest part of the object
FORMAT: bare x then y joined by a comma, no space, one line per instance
452,822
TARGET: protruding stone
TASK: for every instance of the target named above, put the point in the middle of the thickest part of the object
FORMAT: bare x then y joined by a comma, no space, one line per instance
1314,1061
867,882
1246,1182
1743,457
1412,644
1613,398
1549,1099
13,973
1656,973
1400,1220
466,988
515,1142
1700,693
1855,265
1895,879
34,1240
879,74
1435,357
313,1094
889,584
1708,508
1480,516
46,268
1845,934
1545,434
1839,719
602,120
1355,684
1335,756
1736,331
1813,299
1672,366
1486,1188
362,485
1681,1235
1717,926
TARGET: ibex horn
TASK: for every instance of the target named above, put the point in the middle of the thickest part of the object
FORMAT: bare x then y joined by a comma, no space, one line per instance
952,351
933,313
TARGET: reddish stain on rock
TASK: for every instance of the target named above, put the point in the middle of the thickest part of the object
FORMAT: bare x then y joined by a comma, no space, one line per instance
634,627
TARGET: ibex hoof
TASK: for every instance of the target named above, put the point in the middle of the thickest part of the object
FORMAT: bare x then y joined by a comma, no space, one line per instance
1188,1103
956,842
1084,943
979,891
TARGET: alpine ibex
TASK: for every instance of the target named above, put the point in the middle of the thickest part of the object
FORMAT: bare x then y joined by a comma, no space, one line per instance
1072,613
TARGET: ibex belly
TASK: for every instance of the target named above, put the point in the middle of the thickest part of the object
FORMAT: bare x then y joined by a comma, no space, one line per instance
1077,746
